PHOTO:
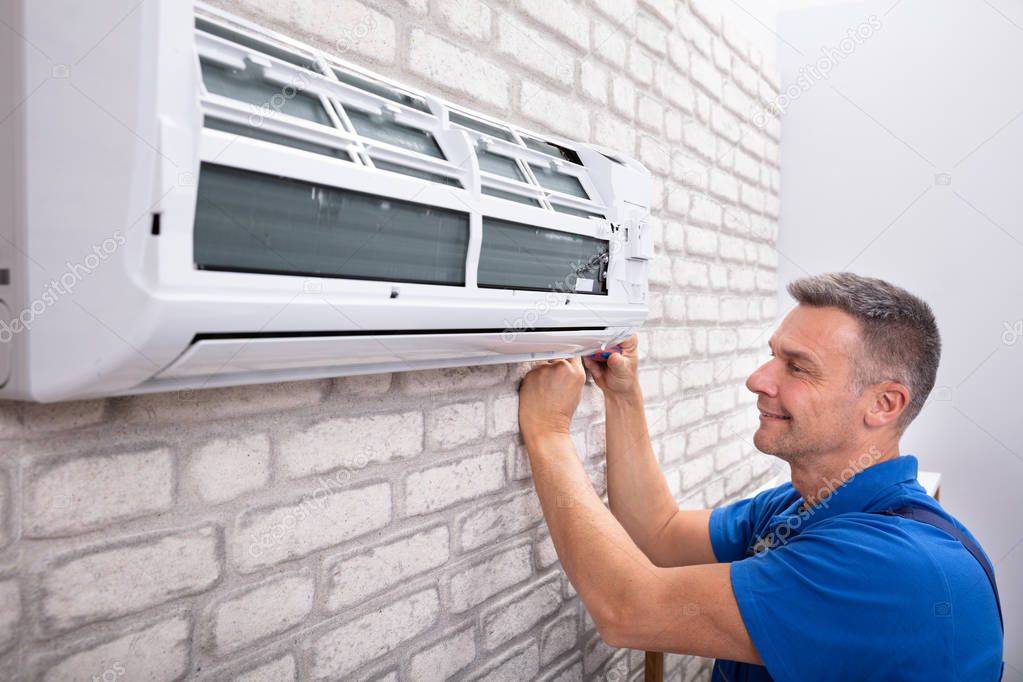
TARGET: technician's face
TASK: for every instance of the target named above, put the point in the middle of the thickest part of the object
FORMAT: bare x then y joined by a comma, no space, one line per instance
804,391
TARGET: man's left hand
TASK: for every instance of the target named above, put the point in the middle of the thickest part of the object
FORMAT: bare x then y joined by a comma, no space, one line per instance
548,397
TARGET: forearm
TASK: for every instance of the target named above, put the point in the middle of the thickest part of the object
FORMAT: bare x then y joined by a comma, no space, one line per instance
595,551
636,489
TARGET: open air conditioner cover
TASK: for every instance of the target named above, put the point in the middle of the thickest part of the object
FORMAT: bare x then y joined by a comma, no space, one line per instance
197,201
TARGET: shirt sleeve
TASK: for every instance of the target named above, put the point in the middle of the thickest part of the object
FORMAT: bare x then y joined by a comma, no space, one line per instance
848,600
733,527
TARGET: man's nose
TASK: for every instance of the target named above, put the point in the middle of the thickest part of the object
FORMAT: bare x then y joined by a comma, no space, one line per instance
760,381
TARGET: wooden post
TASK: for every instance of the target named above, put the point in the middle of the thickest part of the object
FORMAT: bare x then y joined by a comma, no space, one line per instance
654,667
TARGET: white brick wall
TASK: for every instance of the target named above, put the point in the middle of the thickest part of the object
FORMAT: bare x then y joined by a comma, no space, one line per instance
385,527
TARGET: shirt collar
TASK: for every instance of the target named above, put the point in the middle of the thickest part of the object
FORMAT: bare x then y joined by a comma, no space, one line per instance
865,491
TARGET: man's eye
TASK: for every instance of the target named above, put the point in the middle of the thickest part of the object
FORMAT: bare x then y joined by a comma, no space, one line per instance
794,368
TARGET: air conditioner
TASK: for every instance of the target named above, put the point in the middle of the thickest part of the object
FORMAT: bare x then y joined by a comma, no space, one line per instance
195,201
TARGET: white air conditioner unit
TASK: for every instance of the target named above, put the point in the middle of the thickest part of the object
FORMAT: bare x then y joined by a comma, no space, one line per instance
193,201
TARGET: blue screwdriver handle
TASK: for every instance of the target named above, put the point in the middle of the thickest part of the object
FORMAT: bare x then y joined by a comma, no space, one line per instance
604,355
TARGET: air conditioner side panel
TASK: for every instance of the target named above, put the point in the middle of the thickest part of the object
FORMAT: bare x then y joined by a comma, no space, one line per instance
91,185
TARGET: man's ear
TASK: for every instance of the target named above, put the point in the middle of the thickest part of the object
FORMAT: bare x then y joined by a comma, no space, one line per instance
890,399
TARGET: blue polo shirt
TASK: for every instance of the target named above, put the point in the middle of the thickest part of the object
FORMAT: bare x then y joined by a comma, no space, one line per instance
838,593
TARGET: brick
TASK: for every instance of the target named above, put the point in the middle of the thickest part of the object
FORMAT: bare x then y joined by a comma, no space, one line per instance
673,125
442,486
467,17
702,308
546,555
664,9
593,80
225,468
705,211
738,479
650,114
676,89
670,344
720,400
280,670
696,374
217,403
701,438
724,186
453,425
481,581
5,508
558,637
369,33
462,71
261,612
157,652
571,671
609,40
361,386
453,379
728,455
697,471
686,412
612,132
706,76
675,308
734,309
722,55
341,651
520,663
641,66
708,11
623,96
652,34
595,654
266,536
691,171
75,414
351,442
504,415
354,578
554,110
721,341
700,242
700,140
724,123
10,613
562,17
534,50
655,155
89,492
742,279
446,658
674,447
690,273
616,9
521,613
119,579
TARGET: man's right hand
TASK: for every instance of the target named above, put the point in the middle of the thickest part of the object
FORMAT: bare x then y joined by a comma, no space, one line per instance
618,375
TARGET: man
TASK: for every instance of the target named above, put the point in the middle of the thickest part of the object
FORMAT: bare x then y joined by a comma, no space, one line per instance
809,580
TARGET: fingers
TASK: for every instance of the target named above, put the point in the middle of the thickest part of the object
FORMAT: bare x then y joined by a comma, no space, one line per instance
594,367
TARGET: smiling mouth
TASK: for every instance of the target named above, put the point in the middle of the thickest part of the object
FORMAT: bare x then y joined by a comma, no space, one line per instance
770,415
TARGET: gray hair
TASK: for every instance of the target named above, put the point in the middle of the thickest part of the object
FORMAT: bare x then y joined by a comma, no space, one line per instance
900,337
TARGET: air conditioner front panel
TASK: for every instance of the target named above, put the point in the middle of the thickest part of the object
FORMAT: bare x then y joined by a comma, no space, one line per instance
212,357
347,207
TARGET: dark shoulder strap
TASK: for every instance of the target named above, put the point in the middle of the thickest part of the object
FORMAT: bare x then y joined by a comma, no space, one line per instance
941,523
